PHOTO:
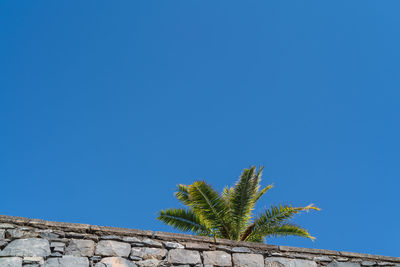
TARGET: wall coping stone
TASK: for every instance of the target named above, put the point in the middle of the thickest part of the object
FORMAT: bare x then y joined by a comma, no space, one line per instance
167,236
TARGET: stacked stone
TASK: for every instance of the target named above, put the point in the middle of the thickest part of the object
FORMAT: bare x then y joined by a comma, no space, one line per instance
34,243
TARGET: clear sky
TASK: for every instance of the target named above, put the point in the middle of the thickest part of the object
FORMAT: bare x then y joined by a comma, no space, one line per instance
106,105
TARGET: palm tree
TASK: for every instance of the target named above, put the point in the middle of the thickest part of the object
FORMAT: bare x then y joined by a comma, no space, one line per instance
229,215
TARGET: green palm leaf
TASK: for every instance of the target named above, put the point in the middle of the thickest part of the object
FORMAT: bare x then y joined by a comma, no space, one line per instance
184,220
206,202
288,229
229,215
263,191
182,194
274,217
242,199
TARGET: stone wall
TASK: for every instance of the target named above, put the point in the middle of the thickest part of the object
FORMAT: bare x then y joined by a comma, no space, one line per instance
31,242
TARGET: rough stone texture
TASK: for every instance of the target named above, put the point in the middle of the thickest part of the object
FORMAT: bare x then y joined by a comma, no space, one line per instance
248,260
29,247
149,253
183,256
197,246
343,264
67,261
114,262
2,233
11,262
241,250
3,243
148,263
33,260
111,237
6,226
151,243
173,245
368,263
17,233
113,248
217,258
280,262
322,258
131,239
36,243
83,248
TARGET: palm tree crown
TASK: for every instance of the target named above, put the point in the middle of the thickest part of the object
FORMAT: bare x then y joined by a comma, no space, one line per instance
229,215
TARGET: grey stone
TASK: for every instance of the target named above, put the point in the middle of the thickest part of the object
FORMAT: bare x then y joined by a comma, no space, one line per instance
78,247
148,263
95,259
149,253
111,237
217,258
385,263
114,262
241,250
322,259
32,265
56,254
48,234
67,261
3,243
33,260
6,226
59,249
131,239
2,233
368,263
305,256
30,247
57,244
183,256
11,262
224,248
151,243
343,264
197,246
248,260
75,235
171,245
26,228
113,248
285,262
18,233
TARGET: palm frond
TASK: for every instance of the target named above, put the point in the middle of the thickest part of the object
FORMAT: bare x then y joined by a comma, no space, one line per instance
263,191
227,193
288,229
226,196
281,213
229,214
182,194
184,220
242,199
272,218
206,202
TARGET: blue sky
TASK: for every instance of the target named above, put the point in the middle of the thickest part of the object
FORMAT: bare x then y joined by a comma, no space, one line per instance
106,105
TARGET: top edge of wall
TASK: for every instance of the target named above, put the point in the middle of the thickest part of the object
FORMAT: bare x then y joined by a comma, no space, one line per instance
166,236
